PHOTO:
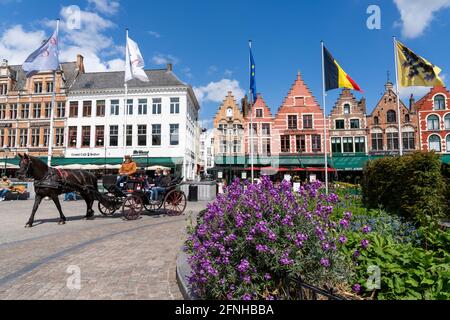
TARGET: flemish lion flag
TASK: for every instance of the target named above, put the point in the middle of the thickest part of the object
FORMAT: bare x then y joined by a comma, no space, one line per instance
335,76
415,71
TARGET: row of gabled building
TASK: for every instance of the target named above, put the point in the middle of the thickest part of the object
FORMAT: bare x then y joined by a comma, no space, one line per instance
293,138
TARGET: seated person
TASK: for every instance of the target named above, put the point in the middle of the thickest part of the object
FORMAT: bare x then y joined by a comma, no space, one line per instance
128,170
161,184
5,187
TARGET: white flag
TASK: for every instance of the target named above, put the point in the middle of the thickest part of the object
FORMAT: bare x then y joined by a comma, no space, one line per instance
134,63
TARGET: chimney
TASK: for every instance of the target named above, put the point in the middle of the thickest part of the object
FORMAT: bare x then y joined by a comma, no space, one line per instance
412,102
80,63
4,63
169,67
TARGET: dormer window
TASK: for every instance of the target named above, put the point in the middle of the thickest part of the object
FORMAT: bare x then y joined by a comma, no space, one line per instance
230,113
376,120
346,109
259,113
439,102
391,116
3,89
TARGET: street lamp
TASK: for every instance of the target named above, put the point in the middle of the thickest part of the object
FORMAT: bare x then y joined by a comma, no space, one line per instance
6,150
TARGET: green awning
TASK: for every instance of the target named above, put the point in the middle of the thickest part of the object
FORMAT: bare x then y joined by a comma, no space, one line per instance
297,161
144,161
352,163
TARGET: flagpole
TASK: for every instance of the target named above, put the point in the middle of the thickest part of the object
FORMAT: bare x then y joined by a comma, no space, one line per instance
52,111
252,145
126,102
400,135
324,95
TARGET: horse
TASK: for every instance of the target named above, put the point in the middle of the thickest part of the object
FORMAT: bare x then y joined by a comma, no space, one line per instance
50,182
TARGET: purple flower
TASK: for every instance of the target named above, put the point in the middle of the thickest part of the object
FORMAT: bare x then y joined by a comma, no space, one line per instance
356,254
267,277
326,246
365,243
325,262
243,266
247,279
246,297
344,223
366,229
348,215
262,248
356,288
342,239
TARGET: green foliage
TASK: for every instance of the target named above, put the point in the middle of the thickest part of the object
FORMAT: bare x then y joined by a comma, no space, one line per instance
407,272
412,186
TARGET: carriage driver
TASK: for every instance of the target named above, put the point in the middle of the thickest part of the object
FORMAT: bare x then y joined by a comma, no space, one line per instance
128,169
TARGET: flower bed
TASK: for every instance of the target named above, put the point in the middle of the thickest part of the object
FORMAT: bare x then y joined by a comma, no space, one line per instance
254,238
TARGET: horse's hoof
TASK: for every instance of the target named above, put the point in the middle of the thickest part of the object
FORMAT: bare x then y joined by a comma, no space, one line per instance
61,223
28,226
89,218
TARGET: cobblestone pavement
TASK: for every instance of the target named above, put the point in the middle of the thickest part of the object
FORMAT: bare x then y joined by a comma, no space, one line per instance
116,259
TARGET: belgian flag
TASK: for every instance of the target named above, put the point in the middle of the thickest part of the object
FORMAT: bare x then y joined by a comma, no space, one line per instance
335,76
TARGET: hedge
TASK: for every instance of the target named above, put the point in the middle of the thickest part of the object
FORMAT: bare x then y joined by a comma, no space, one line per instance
413,186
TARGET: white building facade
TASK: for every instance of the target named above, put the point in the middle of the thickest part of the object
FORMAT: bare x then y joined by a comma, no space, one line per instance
207,150
157,125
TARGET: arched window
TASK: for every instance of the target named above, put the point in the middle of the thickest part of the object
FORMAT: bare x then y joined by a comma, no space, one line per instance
376,120
448,143
439,102
435,143
433,122
447,122
391,116
407,118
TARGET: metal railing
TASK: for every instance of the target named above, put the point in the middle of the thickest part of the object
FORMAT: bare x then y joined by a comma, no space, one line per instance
296,289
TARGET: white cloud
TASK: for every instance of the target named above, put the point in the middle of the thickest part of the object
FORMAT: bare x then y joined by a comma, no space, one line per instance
217,91
417,15
162,59
16,44
109,7
100,51
155,34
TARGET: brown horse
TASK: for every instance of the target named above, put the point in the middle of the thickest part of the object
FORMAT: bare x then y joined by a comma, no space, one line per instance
50,182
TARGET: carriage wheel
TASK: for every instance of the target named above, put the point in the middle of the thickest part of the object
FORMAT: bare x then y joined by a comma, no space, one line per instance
175,203
133,207
108,210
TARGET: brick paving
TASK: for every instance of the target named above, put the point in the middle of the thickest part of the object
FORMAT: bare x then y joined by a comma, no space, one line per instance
117,259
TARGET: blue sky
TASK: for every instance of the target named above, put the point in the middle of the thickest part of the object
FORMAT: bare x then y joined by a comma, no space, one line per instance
207,40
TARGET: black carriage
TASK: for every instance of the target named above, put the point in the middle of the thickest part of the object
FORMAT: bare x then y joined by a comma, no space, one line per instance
133,199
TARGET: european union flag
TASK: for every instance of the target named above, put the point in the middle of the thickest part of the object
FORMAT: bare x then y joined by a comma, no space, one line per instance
252,76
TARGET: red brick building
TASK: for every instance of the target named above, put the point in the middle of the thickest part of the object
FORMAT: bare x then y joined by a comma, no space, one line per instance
299,124
262,128
434,120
